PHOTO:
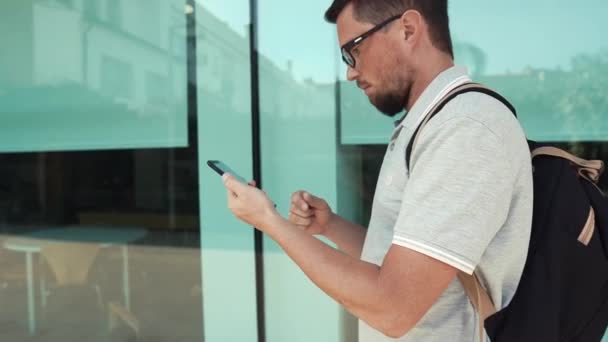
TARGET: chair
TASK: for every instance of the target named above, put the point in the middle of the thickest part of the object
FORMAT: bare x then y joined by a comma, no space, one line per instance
74,307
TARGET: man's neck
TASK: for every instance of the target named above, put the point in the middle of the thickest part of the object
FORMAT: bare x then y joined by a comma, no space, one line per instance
425,77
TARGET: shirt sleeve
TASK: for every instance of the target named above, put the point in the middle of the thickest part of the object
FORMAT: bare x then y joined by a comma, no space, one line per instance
458,193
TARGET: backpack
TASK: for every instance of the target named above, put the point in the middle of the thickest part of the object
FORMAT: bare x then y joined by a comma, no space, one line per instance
563,291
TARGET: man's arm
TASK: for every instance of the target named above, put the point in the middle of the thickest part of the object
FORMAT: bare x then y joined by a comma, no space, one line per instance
391,298
348,236
313,215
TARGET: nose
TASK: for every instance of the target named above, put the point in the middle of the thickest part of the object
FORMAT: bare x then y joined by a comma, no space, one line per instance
351,74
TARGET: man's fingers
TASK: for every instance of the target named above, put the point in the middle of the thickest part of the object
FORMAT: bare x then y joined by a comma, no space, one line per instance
231,194
299,220
297,201
313,201
304,200
232,183
299,213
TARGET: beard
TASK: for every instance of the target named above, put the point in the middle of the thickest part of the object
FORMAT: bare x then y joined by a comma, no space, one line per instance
389,104
393,100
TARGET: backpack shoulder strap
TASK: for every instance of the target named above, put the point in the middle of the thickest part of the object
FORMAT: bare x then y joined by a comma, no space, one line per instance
479,298
592,170
463,89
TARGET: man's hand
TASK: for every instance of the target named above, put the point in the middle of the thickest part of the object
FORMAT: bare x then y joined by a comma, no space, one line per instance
310,213
248,203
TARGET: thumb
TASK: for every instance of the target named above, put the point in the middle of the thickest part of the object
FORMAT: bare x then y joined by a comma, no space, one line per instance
314,201
232,184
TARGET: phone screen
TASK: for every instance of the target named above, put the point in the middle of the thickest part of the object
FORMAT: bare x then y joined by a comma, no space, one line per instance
222,168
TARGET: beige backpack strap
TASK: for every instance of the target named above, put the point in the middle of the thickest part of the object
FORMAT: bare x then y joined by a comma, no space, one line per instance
590,169
479,298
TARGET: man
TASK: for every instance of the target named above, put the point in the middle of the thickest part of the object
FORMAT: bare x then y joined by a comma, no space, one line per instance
465,205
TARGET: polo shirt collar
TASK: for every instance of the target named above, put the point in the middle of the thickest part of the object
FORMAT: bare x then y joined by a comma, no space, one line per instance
429,96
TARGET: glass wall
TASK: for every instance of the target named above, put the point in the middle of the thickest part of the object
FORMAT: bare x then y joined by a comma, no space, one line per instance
112,227
554,77
99,196
103,77
298,151
224,94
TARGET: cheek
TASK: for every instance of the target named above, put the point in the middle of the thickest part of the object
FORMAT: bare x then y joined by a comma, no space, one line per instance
395,70
387,76
374,67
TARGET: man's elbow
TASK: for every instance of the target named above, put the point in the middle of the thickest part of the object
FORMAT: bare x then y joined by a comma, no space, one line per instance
395,326
395,332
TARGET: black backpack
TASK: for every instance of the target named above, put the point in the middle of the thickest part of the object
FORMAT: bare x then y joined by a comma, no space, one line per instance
563,291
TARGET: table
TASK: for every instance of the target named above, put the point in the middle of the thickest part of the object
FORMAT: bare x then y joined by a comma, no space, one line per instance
33,242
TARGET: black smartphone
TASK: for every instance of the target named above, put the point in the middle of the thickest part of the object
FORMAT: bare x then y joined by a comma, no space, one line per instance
222,168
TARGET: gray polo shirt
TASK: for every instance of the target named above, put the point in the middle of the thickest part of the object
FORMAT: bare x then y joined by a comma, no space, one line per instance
467,202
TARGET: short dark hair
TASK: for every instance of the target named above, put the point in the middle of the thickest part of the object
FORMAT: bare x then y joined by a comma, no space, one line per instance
435,12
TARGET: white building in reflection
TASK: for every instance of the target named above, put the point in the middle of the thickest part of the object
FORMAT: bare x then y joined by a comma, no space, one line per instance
134,52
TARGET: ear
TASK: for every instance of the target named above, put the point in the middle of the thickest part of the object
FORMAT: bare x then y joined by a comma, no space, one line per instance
412,25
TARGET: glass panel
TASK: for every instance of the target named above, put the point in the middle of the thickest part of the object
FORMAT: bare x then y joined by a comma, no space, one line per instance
96,245
555,77
75,75
93,241
299,134
224,122
362,124
554,74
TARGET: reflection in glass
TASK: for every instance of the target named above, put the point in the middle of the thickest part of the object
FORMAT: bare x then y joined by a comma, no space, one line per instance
83,65
103,230
224,97
99,237
299,151
557,88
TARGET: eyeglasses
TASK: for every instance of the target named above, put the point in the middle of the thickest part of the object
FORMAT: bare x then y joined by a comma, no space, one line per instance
346,49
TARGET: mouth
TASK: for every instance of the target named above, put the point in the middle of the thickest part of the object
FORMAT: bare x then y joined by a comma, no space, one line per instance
365,87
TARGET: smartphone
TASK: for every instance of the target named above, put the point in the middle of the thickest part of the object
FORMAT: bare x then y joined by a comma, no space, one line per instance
222,168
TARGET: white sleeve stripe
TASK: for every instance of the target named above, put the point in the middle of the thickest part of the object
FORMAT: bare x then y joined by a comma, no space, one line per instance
434,253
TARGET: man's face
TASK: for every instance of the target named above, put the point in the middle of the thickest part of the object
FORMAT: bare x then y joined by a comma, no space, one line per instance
381,70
